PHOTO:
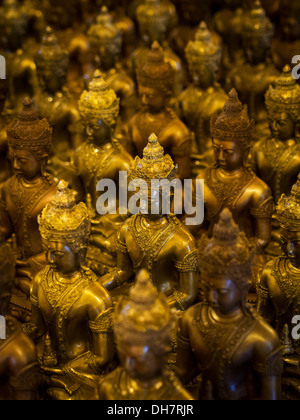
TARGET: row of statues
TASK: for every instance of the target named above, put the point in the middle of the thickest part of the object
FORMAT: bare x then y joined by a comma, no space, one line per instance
118,305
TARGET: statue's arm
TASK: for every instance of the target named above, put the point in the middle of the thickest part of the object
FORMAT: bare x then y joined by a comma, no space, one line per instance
6,226
265,305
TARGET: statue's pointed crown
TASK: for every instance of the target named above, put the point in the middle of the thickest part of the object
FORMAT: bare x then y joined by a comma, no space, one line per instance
51,54
99,102
256,24
285,96
288,209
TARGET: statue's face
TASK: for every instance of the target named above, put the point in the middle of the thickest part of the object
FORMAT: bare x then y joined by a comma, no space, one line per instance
282,126
255,51
203,77
51,81
140,361
290,244
222,294
153,100
228,154
105,58
24,163
99,132
61,257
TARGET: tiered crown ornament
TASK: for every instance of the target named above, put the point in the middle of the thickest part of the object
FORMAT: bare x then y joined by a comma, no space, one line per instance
13,20
64,221
157,15
99,103
228,252
257,25
288,209
154,164
233,124
29,132
51,57
285,96
105,33
145,318
204,50
156,73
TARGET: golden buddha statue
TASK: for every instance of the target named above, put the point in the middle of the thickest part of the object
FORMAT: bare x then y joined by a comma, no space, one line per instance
54,101
25,194
70,307
204,96
237,353
231,184
155,19
286,43
143,328
20,66
155,84
276,158
105,39
278,289
100,156
253,77
19,370
156,240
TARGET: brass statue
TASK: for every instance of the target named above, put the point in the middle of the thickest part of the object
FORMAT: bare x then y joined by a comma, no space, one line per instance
237,353
231,184
71,310
100,156
143,328
204,96
154,240
53,100
155,84
253,77
276,158
105,39
278,289
19,369
25,194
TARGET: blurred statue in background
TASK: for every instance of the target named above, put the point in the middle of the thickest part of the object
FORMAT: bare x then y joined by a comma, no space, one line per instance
70,309
143,329
236,352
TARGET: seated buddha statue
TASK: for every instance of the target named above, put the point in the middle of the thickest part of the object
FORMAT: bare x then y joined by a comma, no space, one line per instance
156,84
25,194
286,43
54,101
278,289
236,353
276,158
155,19
231,184
143,327
253,77
105,38
100,156
19,369
71,310
20,66
204,96
154,239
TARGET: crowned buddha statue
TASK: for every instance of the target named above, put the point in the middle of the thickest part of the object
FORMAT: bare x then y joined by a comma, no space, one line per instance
19,369
286,43
190,14
54,101
143,329
100,156
236,353
25,194
204,96
156,87
278,288
154,238
71,310
105,38
155,19
231,184
20,66
253,77
276,158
